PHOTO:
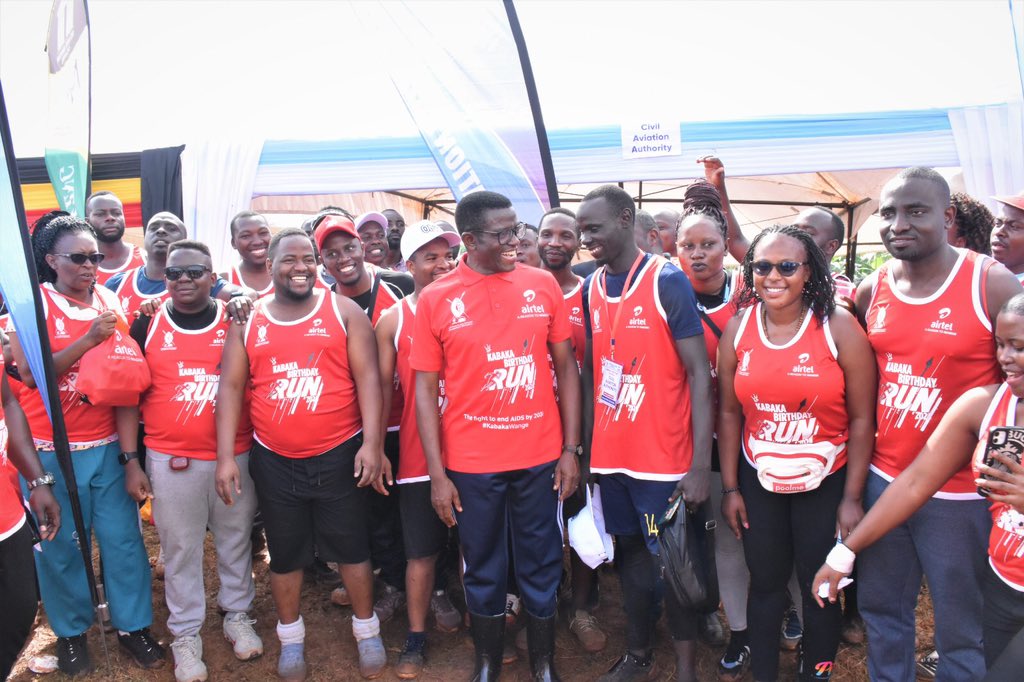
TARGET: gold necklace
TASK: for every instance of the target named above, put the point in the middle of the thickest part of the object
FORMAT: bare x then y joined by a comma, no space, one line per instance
795,327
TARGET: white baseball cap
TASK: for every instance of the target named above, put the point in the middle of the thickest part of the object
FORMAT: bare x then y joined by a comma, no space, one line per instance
419,234
372,217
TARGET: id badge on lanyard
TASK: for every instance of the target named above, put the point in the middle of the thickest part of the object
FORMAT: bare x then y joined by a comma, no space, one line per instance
611,371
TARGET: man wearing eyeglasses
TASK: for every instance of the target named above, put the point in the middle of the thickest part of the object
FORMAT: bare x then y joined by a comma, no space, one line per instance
182,343
134,287
1008,234
929,315
509,449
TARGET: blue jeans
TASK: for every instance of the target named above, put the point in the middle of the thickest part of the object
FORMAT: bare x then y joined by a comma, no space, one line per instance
945,541
114,516
523,504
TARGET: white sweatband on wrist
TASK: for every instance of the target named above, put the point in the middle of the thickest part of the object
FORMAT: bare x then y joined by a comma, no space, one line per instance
841,559
365,628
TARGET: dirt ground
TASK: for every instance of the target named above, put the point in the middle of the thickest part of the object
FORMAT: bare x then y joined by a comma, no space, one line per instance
331,651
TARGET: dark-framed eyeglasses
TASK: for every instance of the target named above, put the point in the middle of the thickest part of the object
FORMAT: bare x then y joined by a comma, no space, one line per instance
193,272
505,236
786,268
82,258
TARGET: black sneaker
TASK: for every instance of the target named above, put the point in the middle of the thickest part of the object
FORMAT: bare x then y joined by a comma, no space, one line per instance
410,662
735,660
629,668
73,655
928,665
143,647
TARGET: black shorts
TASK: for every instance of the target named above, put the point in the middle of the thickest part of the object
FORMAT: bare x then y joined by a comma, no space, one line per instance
423,532
312,502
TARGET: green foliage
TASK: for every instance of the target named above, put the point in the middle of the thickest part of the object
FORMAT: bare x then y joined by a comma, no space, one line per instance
864,264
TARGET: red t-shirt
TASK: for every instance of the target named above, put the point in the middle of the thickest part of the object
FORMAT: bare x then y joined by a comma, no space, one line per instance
302,391
1006,539
793,395
488,336
178,408
65,324
930,351
129,295
635,437
137,259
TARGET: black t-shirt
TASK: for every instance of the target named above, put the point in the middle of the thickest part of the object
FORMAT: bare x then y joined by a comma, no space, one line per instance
190,321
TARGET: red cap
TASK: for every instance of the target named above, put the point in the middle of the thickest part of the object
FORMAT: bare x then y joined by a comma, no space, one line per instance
333,224
1017,201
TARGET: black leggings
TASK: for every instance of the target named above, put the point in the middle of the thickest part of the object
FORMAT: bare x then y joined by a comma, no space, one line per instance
642,590
784,528
17,594
1003,623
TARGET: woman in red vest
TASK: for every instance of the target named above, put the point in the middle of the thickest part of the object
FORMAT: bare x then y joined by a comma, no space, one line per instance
796,397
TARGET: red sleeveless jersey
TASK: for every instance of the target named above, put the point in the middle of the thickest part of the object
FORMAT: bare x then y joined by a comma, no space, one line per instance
235,277
12,513
412,463
578,331
65,324
636,437
1006,539
385,299
302,392
930,351
129,295
793,395
720,316
135,260
178,408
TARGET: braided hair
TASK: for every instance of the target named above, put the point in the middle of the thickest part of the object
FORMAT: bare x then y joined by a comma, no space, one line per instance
973,222
819,290
46,232
702,199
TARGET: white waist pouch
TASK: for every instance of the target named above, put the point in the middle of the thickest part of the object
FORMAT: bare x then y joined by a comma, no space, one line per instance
792,468
587,535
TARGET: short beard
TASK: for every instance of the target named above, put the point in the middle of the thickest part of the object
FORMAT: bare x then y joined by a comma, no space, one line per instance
285,292
108,239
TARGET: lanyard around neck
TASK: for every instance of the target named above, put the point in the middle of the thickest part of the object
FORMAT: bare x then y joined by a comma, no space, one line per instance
622,299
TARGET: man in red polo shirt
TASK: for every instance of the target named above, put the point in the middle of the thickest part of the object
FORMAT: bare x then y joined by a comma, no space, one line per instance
509,448
308,361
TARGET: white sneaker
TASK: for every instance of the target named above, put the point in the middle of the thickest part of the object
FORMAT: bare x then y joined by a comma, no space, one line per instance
238,630
188,659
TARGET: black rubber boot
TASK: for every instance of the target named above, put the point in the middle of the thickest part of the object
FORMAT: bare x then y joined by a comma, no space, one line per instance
489,642
540,638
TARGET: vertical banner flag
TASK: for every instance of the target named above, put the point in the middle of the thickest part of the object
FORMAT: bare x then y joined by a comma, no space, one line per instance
457,68
1017,20
18,284
67,139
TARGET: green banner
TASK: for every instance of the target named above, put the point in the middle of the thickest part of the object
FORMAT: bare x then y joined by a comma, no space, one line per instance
69,175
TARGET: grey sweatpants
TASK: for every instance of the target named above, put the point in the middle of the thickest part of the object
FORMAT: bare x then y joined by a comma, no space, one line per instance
185,504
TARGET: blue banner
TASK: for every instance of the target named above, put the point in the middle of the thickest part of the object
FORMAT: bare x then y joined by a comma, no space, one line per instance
457,69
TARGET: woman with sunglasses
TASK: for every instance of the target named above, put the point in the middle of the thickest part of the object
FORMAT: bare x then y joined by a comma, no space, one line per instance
80,316
701,245
796,397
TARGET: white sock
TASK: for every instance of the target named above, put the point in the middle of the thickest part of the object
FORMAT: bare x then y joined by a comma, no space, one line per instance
292,633
365,628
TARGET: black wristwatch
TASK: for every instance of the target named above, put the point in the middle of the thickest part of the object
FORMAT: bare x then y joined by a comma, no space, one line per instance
45,479
126,457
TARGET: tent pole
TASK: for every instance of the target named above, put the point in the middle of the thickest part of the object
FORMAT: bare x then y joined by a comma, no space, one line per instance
531,90
640,195
851,242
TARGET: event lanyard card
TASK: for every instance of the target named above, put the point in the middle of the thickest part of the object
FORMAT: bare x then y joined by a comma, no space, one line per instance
611,382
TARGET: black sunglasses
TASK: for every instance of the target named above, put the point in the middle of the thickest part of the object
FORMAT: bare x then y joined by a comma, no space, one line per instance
81,258
194,272
786,268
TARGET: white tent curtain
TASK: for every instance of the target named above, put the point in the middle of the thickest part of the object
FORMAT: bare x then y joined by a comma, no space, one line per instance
990,143
217,179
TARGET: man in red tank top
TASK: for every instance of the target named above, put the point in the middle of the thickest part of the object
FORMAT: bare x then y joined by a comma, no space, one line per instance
374,290
507,446
105,214
308,363
929,315
645,349
250,237
182,344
